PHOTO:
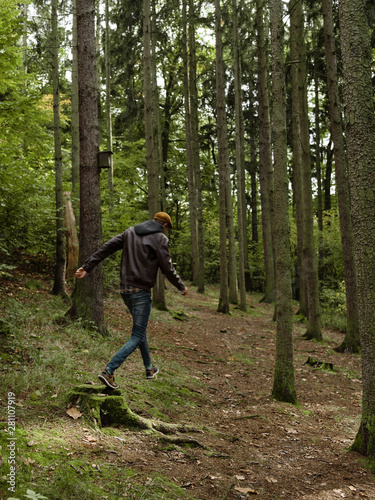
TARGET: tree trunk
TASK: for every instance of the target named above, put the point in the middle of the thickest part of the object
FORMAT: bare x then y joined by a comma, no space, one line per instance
24,38
159,288
59,283
88,293
72,242
223,161
108,103
318,168
240,160
265,157
284,380
195,141
75,118
360,133
301,148
328,178
351,341
190,152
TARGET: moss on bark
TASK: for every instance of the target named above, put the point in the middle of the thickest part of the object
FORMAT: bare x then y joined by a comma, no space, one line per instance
105,407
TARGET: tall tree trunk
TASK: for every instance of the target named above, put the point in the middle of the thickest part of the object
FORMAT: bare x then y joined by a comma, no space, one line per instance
351,341
301,147
152,172
328,177
223,161
108,103
153,146
159,288
360,133
240,160
265,157
59,283
195,141
75,117
318,168
284,380
88,293
190,151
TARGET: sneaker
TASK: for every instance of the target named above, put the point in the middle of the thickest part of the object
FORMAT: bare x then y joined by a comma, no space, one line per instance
152,372
108,379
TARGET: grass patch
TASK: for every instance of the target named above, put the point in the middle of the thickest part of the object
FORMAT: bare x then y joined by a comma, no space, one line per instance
42,356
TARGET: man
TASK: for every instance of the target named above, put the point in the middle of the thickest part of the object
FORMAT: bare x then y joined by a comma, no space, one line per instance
144,250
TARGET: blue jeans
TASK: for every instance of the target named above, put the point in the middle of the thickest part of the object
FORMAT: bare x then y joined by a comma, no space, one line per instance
139,305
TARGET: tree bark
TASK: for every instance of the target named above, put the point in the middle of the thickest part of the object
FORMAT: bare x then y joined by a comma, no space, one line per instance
223,161
265,157
108,103
190,160
88,293
72,242
360,134
301,149
195,141
284,380
240,160
59,283
351,341
75,117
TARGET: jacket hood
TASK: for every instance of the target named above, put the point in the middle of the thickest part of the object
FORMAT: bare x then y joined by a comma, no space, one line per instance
148,227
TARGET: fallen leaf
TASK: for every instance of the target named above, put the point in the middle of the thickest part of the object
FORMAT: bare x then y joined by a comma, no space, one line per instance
240,478
74,413
91,439
246,490
271,479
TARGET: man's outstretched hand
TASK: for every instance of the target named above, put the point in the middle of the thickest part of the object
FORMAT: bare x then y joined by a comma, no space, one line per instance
185,292
80,273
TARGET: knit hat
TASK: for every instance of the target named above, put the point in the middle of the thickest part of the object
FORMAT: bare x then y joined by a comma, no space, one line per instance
164,217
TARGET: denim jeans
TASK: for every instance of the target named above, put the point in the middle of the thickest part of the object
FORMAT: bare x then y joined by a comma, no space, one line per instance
139,305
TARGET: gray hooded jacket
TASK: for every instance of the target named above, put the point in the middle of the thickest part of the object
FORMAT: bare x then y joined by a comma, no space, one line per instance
144,250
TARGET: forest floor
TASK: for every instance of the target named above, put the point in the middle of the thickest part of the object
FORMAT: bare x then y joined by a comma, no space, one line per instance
216,372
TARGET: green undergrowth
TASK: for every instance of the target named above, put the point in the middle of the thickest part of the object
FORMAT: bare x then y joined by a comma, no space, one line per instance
43,356
49,464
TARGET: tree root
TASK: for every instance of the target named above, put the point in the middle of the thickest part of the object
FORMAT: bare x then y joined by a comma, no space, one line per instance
106,407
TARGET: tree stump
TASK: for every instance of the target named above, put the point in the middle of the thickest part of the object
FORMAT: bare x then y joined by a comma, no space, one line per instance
105,407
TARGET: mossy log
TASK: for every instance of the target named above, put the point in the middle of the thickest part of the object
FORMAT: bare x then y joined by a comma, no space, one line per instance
105,407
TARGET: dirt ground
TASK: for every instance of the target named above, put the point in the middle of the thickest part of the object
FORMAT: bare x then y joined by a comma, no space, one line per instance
251,445
259,447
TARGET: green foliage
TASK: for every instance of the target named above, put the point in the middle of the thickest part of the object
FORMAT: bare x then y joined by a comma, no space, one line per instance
333,306
31,495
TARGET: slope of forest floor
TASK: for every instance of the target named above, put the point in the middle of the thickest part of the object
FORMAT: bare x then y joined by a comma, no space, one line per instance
216,372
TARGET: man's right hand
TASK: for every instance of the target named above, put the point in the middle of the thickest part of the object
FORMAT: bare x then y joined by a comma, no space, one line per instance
185,292
80,273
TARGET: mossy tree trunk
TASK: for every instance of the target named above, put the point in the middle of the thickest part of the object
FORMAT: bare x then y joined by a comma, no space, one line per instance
284,381
351,341
360,134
